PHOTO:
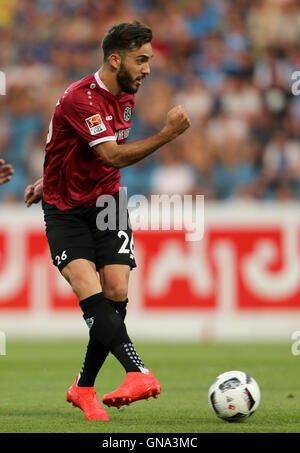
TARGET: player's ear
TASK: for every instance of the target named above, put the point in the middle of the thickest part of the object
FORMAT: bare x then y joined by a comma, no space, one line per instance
115,60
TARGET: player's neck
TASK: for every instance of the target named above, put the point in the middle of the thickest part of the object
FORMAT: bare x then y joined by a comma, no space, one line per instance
110,81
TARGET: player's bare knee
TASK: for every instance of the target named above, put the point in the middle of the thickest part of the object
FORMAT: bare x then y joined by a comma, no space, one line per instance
116,293
83,282
82,287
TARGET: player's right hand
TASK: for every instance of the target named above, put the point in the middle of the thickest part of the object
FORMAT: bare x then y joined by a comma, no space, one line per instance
177,121
33,193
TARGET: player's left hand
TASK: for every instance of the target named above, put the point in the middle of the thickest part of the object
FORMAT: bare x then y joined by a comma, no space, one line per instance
6,171
33,193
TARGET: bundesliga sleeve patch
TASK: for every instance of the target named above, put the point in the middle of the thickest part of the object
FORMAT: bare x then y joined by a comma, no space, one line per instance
95,124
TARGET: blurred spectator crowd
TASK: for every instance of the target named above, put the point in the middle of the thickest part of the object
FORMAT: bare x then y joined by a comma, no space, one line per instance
229,62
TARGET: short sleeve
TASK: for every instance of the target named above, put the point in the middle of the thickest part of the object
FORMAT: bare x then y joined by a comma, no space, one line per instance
87,120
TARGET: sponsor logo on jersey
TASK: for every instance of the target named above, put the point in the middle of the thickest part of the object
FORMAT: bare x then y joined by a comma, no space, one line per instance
122,134
109,118
127,113
95,124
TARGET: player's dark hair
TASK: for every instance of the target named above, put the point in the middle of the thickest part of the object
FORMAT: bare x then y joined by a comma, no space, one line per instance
125,37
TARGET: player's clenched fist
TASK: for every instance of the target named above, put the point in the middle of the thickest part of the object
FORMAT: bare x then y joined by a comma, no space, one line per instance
177,121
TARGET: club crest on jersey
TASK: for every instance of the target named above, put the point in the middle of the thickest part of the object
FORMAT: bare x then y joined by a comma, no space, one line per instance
95,124
127,113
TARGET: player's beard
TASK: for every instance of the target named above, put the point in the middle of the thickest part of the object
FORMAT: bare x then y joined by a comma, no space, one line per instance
125,80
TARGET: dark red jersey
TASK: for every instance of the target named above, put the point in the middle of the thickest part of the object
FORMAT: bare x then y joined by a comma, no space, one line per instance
87,114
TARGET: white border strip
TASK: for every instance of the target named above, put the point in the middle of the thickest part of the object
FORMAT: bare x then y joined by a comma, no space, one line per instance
110,138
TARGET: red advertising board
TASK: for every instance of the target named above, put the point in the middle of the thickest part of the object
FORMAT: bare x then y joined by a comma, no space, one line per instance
249,267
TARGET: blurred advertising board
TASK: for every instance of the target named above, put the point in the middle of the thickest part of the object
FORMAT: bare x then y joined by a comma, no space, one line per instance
241,281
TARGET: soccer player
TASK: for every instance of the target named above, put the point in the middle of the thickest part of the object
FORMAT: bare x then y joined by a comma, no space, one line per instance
85,150
6,171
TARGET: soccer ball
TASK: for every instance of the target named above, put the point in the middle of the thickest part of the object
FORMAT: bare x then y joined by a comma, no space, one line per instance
234,396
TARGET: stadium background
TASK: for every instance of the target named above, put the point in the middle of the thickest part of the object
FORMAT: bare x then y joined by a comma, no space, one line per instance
230,63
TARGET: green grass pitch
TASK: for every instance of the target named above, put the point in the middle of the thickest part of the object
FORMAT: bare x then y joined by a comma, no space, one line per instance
34,377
